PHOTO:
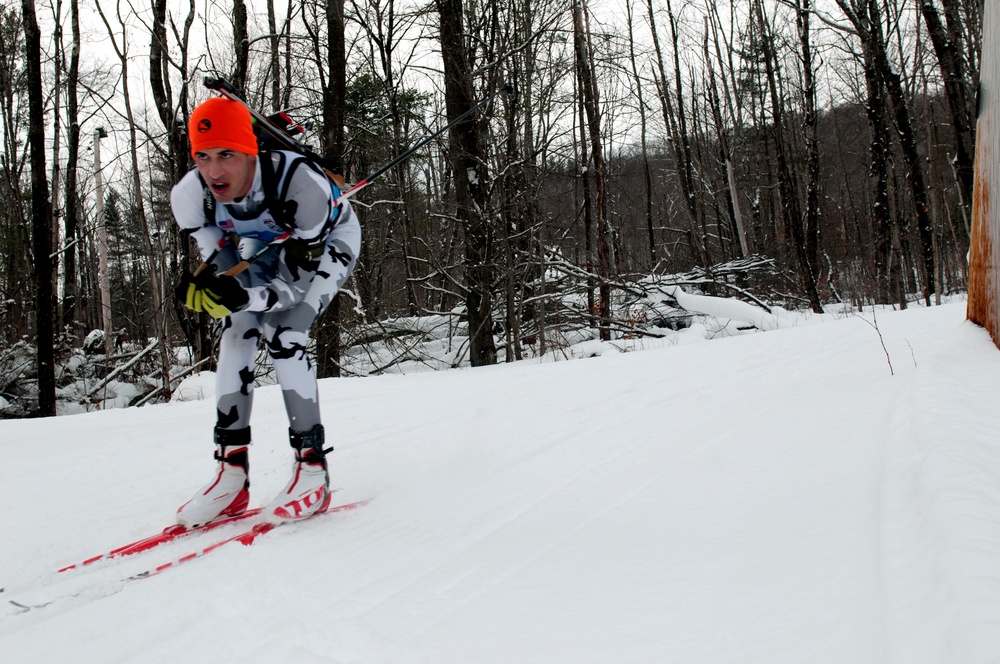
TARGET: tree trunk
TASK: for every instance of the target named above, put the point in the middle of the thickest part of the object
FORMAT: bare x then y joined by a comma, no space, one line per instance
334,111
274,69
675,123
385,41
41,216
647,177
56,143
533,219
886,267
103,275
71,288
587,210
725,154
154,258
588,87
949,55
790,211
469,172
241,46
866,16
196,327
908,142
812,216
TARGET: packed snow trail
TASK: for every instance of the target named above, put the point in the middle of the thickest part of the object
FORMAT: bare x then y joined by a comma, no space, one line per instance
942,498
778,497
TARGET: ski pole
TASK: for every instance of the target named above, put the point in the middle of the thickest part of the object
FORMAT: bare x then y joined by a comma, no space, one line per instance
226,89
505,89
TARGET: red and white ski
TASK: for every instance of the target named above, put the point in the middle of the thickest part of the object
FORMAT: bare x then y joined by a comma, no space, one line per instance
246,537
169,534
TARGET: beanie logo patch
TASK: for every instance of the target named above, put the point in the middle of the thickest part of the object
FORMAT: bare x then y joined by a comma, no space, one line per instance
204,125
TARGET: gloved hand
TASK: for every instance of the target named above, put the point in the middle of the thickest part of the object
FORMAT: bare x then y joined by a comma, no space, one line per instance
188,293
218,296
222,296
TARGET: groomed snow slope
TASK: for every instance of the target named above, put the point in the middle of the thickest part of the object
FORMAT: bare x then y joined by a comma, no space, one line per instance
779,497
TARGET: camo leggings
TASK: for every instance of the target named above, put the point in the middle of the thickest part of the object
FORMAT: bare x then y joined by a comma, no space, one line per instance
285,335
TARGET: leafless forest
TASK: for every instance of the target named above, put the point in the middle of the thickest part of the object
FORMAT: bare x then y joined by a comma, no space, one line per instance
795,152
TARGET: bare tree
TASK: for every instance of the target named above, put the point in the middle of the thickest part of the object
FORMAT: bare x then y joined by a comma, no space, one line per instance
803,11
163,68
790,209
675,121
866,16
15,263
334,87
172,111
41,216
722,127
153,258
468,166
386,27
595,172
274,69
241,46
647,176
948,48
72,209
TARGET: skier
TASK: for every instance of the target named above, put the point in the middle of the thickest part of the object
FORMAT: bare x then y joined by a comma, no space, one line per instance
236,202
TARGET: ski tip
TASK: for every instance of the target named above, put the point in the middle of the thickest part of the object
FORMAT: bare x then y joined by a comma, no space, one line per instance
22,608
350,506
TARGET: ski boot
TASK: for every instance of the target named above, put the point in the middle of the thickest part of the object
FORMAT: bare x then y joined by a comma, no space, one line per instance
308,492
229,493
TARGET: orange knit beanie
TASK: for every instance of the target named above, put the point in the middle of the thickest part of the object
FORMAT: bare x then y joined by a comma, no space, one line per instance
221,123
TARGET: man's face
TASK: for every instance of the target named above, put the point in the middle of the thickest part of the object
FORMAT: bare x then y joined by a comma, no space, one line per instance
228,173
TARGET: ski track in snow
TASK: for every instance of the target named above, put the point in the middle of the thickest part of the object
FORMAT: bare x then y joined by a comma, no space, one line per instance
777,497
941,489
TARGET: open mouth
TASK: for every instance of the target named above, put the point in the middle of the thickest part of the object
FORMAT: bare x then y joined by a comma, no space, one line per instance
219,187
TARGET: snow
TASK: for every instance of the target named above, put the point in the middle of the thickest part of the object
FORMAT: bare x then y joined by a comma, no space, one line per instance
762,498
196,387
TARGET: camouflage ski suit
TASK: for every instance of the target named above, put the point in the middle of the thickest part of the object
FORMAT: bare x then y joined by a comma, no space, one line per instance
289,286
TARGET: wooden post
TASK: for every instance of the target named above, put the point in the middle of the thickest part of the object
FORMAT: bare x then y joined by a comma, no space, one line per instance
103,278
984,253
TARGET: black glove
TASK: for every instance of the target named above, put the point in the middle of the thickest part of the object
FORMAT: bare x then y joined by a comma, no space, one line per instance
188,293
221,296
218,296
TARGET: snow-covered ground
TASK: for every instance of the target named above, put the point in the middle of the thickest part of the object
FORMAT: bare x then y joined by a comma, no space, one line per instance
777,497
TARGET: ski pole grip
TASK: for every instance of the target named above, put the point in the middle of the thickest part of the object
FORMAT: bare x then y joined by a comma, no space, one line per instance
236,269
219,85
